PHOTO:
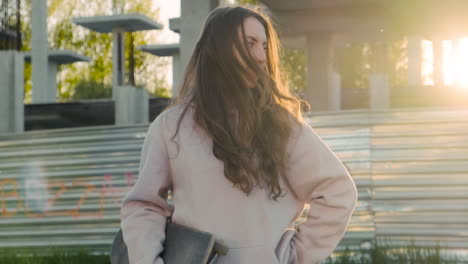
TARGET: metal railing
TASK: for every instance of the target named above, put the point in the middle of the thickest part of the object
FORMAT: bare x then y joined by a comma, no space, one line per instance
64,187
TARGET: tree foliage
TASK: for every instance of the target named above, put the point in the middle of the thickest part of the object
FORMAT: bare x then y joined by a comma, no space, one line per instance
294,62
245,2
90,89
355,62
149,71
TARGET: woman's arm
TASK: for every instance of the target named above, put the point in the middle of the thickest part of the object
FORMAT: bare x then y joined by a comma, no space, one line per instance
145,210
319,178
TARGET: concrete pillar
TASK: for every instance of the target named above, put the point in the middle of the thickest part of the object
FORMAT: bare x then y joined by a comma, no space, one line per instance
131,105
118,60
414,61
193,14
11,91
177,74
124,105
378,81
438,55
52,75
379,91
335,92
142,106
41,92
321,91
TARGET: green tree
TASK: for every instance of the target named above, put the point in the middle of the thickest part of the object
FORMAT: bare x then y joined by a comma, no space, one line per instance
355,62
398,66
90,89
245,2
26,46
352,63
294,62
147,71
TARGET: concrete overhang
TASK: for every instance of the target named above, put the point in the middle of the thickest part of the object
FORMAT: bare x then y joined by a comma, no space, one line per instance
174,24
60,56
128,22
161,49
281,5
373,19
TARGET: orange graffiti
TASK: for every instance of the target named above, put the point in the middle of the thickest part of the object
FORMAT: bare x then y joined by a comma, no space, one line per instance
58,189
89,189
14,193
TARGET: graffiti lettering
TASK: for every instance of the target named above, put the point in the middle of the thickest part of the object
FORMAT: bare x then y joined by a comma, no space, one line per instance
12,194
89,189
12,202
50,203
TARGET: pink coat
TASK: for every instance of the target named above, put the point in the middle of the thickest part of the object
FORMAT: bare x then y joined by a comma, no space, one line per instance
251,226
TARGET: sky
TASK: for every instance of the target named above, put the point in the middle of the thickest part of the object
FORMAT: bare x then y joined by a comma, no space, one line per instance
168,9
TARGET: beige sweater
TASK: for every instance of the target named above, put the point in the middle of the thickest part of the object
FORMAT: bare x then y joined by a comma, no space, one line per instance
251,226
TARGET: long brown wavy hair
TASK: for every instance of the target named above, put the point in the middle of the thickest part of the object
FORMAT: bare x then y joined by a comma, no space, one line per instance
250,127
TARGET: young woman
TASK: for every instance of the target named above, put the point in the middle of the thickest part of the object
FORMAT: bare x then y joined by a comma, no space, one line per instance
239,159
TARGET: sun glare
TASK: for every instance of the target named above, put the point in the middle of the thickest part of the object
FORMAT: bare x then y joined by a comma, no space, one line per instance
462,63
455,63
449,61
427,67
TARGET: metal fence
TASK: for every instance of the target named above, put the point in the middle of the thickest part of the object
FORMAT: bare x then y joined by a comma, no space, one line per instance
411,168
64,187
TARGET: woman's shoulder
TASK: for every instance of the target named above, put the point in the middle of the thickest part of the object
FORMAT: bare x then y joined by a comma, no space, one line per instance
169,118
303,135
173,112
299,126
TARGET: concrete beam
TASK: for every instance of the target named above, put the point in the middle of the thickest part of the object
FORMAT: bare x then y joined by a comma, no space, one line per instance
415,17
294,42
335,21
